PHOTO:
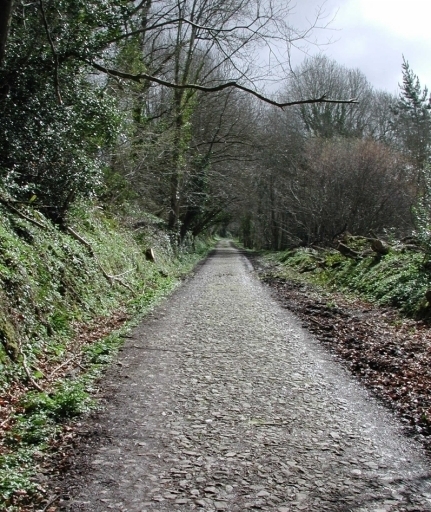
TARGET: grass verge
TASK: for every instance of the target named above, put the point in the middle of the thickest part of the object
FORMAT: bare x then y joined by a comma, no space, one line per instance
67,299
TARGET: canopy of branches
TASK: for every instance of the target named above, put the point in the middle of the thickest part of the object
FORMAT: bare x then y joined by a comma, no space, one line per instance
162,104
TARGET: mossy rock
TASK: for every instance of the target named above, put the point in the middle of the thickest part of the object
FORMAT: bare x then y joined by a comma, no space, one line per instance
8,338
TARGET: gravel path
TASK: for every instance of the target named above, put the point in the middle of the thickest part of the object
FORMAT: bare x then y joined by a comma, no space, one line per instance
223,402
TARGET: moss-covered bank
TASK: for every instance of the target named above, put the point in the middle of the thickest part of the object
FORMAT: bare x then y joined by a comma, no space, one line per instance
400,278
67,297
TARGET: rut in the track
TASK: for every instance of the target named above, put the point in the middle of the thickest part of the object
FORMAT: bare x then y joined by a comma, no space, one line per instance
223,402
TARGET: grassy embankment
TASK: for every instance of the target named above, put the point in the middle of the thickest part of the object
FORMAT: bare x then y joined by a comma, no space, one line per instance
399,278
66,301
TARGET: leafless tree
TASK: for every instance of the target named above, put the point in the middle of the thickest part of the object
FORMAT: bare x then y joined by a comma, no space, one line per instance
319,74
194,47
381,120
306,190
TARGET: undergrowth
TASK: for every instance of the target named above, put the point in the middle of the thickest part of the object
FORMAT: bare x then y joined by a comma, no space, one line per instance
398,279
51,286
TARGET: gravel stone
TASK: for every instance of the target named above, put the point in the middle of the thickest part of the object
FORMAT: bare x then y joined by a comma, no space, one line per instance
230,405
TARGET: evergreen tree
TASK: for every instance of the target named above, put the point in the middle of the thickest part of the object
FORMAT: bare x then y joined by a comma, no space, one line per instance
413,118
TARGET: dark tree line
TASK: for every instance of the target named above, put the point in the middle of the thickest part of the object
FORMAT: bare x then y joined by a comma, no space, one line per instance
330,168
157,103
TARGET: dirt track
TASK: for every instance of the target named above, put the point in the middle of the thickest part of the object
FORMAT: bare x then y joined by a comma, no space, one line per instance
221,401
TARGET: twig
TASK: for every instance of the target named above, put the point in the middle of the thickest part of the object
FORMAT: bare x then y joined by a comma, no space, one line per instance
123,273
221,87
38,370
62,365
20,214
5,422
109,277
80,239
112,278
27,371
50,502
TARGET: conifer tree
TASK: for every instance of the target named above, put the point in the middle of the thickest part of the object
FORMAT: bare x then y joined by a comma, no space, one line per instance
413,118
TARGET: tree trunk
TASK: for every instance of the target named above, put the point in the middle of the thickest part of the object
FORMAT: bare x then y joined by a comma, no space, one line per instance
5,18
175,184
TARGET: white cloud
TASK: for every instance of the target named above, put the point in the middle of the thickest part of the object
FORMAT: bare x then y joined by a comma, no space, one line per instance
409,20
374,34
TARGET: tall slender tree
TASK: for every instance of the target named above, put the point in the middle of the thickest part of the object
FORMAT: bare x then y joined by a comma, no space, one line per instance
5,19
413,118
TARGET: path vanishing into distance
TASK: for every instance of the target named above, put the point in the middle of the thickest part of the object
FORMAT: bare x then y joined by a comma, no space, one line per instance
221,401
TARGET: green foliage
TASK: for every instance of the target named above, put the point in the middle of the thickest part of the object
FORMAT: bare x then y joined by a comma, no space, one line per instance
68,400
421,213
49,282
52,135
52,151
43,411
398,279
101,352
303,260
15,474
413,117
412,97
115,189
33,429
8,340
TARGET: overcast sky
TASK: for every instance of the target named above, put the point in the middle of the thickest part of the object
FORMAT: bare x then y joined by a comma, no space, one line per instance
372,35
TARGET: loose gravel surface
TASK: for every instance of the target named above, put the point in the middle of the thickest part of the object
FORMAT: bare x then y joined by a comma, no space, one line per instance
221,401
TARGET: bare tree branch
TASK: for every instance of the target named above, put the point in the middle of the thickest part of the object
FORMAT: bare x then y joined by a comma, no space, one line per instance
210,30
226,85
